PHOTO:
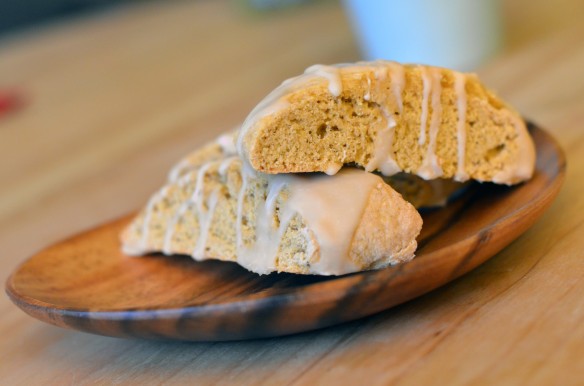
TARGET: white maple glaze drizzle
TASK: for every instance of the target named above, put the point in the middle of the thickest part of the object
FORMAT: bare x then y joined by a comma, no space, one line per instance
227,144
460,90
383,156
167,246
430,167
142,246
146,222
427,85
333,168
198,198
133,250
178,169
333,217
224,166
171,224
199,192
330,73
380,73
261,255
205,218
367,95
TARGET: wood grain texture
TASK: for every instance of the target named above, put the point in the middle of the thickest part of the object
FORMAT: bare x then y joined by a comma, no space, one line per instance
115,99
87,283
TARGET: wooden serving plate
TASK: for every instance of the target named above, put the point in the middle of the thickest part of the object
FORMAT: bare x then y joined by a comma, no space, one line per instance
86,283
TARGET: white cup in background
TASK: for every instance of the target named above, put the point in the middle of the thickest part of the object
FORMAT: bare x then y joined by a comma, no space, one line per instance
458,34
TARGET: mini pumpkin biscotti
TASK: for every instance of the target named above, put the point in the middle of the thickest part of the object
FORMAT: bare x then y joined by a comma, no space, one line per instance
308,224
388,117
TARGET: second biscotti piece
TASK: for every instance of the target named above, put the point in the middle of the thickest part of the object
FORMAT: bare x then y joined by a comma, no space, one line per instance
389,117
309,224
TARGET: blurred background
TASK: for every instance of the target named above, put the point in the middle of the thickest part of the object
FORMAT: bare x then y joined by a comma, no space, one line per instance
98,98
451,33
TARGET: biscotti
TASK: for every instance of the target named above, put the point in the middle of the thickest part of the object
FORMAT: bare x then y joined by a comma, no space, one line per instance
310,224
388,117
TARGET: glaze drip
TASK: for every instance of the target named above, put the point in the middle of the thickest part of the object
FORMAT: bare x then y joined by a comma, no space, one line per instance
334,168
383,152
331,74
430,167
333,217
367,95
227,144
148,214
460,89
427,85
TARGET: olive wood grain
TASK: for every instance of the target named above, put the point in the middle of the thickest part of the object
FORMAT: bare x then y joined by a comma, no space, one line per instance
86,283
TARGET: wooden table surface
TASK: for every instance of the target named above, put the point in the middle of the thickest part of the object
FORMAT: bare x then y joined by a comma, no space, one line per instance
112,100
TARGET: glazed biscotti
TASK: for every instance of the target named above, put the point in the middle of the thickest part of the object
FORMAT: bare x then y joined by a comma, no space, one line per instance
388,117
310,224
